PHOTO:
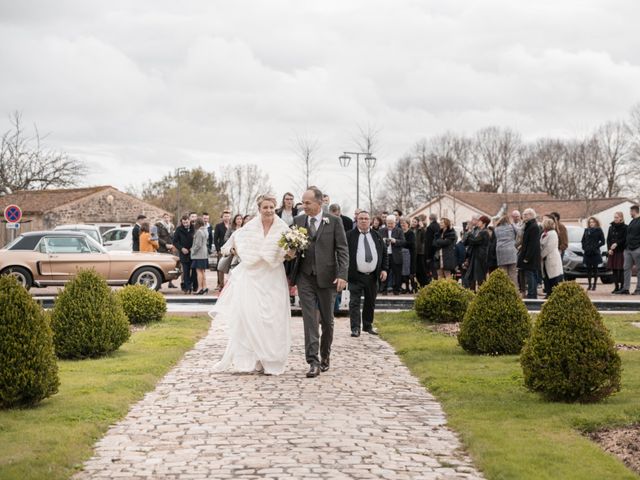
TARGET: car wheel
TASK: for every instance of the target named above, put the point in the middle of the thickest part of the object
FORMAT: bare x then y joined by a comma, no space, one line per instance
606,279
569,278
21,274
147,276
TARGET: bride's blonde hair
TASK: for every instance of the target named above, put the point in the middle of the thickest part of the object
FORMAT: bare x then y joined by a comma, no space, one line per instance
267,197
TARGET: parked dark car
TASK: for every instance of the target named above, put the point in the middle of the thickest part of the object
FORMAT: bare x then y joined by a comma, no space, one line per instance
573,257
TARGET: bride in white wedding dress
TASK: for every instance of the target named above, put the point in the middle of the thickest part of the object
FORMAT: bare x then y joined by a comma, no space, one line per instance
255,301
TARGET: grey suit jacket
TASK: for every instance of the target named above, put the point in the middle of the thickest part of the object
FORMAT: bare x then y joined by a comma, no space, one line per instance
331,250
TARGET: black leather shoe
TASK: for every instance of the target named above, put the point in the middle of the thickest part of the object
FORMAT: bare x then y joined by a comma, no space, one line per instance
355,333
622,292
324,365
314,371
372,331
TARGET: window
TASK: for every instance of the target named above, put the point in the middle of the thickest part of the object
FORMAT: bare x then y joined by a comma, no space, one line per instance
67,245
115,235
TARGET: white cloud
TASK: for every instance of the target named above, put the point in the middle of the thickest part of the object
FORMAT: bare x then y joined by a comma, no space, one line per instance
139,88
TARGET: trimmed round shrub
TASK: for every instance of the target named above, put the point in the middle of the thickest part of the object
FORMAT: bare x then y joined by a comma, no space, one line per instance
570,356
141,304
28,368
497,321
87,318
442,301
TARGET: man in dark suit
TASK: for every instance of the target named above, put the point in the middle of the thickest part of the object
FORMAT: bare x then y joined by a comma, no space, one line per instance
135,233
393,237
368,263
347,223
322,273
430,234
219,236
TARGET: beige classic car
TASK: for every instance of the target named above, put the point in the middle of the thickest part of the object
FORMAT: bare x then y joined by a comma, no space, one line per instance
41,259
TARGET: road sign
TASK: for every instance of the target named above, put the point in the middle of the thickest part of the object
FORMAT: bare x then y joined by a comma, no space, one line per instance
12,214
13,226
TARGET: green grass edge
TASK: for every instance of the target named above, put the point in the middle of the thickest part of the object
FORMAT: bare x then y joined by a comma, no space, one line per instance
510,432
53,439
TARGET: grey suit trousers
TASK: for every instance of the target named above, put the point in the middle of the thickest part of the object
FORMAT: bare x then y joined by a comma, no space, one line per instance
317,309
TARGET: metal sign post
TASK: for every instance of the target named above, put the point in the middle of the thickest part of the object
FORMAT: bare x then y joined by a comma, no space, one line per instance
13,215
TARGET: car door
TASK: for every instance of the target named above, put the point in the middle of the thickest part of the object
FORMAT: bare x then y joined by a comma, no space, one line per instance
118,239
68,254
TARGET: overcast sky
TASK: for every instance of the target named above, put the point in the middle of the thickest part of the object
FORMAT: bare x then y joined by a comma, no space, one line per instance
139,88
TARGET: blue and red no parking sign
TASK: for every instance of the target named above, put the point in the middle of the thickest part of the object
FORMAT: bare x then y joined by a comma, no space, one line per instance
12,214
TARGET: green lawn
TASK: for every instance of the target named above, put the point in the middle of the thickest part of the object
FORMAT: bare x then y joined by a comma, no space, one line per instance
52,440
510,432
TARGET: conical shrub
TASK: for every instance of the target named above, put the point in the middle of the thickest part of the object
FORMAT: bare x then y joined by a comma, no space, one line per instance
28,368
442,301
141,304
571,357
497,321
87,318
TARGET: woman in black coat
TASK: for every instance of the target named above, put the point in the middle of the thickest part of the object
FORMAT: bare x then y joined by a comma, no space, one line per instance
408,257
445,245
478,244
592,240
616,242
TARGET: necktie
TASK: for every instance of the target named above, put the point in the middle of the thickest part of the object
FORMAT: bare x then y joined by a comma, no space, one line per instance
368,257
312,227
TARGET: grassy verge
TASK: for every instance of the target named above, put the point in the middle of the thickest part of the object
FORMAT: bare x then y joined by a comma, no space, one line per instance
52,440
510,432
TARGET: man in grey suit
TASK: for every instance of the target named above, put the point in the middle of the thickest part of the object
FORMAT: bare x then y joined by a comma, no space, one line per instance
321,275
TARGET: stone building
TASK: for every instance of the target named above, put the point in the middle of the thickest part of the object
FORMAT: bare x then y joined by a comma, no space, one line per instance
104,206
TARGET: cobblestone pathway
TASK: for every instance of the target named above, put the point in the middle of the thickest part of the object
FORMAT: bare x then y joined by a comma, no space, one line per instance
365,418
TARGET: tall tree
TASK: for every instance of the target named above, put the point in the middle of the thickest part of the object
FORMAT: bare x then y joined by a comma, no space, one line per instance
27,164
189,190
494,152
368,140
306,148
441,160
243,185
616,154
399,186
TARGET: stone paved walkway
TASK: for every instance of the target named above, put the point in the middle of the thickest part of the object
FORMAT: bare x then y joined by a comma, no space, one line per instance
365,418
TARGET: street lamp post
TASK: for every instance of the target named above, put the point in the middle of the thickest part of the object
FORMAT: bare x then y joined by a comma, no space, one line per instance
369,161
179,170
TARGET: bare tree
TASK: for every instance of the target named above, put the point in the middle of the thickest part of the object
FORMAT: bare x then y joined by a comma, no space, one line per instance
306,148
243,185
616,154
543,165
441,160
399,187
27,164
368,140
494,152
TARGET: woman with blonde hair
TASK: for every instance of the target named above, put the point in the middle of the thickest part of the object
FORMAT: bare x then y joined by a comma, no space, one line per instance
254,303
550,255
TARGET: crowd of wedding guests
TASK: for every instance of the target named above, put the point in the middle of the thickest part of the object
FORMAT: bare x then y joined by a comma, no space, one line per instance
529,247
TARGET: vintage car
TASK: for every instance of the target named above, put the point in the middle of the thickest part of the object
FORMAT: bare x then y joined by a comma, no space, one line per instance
42,259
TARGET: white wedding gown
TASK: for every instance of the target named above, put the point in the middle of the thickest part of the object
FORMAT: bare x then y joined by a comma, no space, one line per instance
255,302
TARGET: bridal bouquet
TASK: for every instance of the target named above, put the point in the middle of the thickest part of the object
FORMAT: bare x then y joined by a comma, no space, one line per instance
296,238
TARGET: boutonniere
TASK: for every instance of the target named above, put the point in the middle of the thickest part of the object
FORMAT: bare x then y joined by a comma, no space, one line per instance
326,220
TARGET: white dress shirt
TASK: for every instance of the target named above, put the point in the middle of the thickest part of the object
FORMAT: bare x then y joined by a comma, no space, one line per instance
389,247
363,265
